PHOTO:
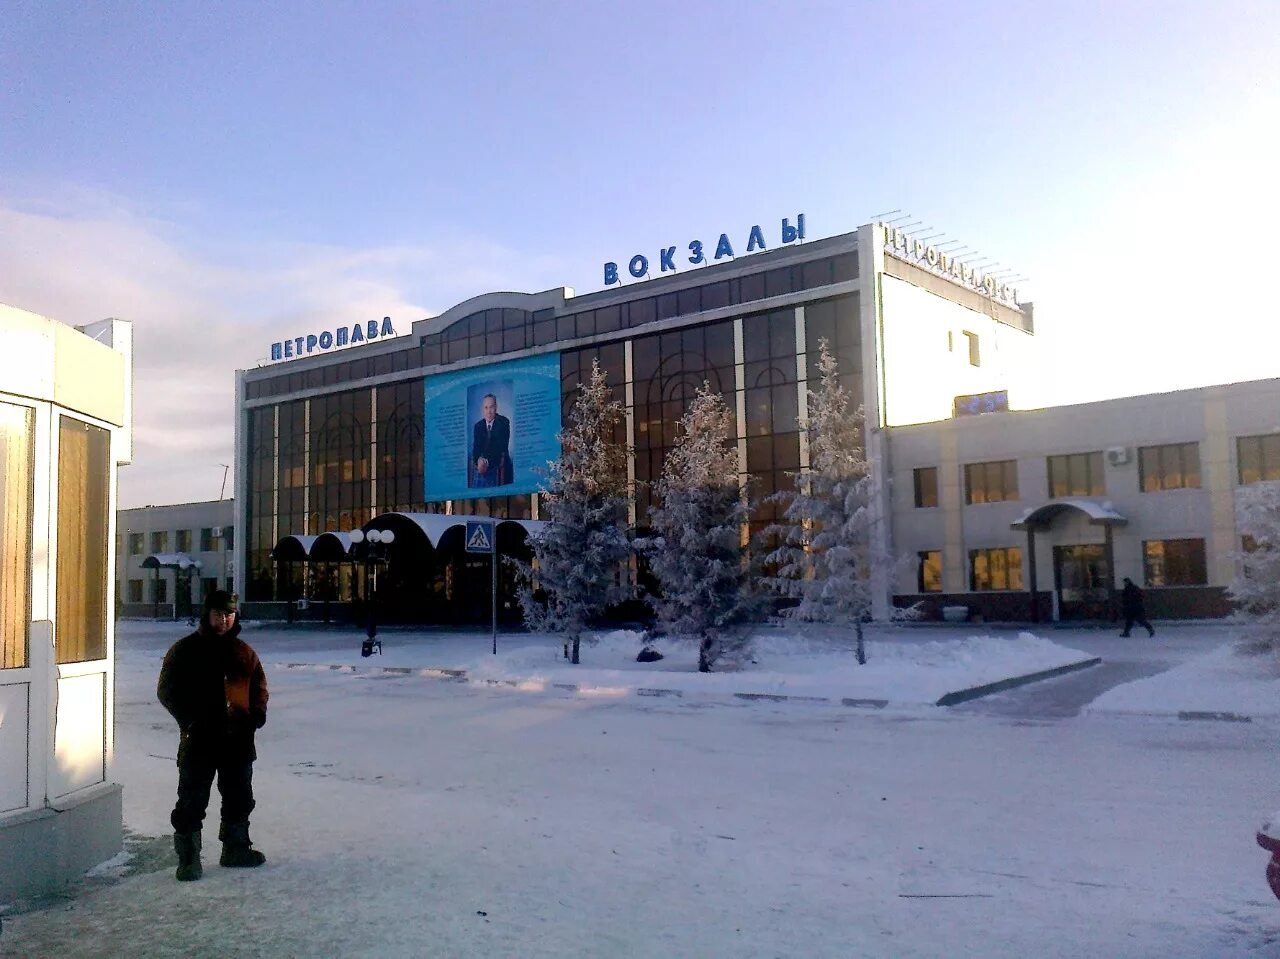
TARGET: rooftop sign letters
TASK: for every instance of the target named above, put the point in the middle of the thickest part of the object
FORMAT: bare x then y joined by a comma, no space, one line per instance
907,247
699,253
330,339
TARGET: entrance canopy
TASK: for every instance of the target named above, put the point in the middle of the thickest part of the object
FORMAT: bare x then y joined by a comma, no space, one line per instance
335,547
435,525
1042,517
170,561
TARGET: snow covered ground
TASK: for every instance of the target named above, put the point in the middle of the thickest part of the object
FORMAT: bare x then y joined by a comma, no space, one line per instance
404,815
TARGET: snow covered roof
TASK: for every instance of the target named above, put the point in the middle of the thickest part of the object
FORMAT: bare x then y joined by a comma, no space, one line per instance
170,561
1100,514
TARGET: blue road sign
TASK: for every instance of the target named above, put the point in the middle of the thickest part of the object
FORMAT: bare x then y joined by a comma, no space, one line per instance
479,536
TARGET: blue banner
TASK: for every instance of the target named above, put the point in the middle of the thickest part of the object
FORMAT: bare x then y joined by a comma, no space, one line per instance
488,427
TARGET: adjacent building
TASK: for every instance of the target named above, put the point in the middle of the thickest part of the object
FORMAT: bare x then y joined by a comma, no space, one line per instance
64,428
1039,514
170,557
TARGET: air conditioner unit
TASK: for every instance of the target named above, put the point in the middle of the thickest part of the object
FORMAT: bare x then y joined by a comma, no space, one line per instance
1118,455
216,532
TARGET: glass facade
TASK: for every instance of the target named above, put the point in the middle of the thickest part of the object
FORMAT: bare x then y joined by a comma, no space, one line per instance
333,460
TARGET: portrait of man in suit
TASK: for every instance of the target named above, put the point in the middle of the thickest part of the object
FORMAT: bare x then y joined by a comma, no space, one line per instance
490,461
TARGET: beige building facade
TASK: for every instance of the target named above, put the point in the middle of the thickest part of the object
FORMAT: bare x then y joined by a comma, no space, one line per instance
1079,497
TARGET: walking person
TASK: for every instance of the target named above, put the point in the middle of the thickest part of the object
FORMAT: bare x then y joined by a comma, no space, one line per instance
1133,604
213,684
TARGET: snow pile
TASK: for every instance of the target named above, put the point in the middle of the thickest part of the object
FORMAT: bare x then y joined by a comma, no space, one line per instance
1231,678
789,662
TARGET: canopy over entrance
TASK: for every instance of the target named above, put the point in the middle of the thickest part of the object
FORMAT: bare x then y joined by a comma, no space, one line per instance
1042,517
1098,514
170,561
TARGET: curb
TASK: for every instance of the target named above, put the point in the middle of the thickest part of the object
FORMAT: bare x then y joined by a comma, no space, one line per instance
977,692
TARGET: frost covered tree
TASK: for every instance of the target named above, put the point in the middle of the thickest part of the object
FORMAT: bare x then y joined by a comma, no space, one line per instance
696,551
578,554
1256,588
823,554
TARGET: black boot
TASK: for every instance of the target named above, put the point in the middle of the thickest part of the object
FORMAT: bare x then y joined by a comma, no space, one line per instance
187,846
237,850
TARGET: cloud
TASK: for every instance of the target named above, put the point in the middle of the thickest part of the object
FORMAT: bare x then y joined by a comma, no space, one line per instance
198,315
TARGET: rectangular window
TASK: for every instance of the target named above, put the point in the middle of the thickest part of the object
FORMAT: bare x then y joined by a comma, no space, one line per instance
926,483
160,542
84,477
135,591
135,544
159,590
228,537
995,569
206,539
17,464
1174,466
929,572
1258,458
1174,562
1076,474
993,482
182,540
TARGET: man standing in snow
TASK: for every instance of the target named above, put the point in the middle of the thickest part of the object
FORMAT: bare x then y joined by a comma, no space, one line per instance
1131,602
213,684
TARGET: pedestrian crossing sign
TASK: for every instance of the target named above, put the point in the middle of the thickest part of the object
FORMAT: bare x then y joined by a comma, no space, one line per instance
479,537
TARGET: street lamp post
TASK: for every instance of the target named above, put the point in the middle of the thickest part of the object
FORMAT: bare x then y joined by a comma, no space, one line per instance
374,548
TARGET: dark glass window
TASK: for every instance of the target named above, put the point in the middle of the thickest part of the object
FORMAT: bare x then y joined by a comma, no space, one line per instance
1172,466
777,282
642,312
689,301
715,295
926,486
1258,458
1076,474
992,482
751,287
1174,562
845,267
999,568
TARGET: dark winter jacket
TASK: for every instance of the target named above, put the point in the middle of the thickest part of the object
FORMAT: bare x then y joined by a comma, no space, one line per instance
215,687
1131,600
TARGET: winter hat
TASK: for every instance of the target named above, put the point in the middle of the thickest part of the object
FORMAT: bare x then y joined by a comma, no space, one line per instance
220,600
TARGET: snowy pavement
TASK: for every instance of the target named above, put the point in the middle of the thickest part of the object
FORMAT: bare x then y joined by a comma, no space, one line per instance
404,816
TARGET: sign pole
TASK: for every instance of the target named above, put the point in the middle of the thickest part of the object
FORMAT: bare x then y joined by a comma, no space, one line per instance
493,565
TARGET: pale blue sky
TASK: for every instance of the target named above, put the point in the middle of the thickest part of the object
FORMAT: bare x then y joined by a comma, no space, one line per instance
227,175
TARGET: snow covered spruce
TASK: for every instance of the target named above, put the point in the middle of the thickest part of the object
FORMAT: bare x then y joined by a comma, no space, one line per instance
823,555
697,552
577,556
1256,588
